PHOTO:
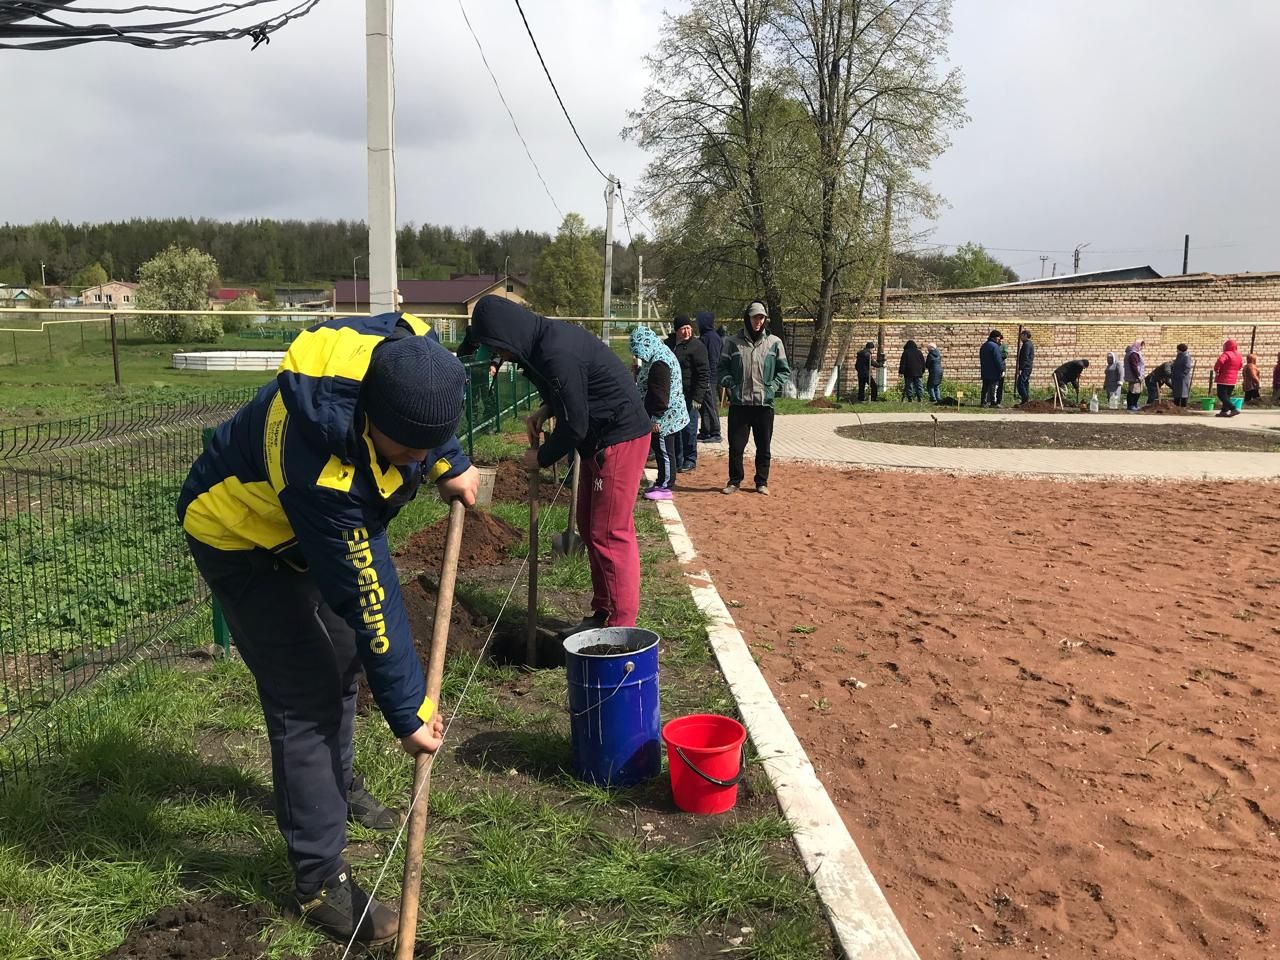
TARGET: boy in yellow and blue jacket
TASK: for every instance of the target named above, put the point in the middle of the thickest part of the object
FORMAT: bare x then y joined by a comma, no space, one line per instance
285,514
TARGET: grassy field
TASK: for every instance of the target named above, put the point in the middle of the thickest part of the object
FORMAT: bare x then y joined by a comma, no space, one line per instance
165,800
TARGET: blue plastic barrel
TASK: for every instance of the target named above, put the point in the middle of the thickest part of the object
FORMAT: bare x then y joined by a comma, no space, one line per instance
614,720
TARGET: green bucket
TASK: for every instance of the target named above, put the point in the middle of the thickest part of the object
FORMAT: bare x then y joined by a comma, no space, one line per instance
1206,403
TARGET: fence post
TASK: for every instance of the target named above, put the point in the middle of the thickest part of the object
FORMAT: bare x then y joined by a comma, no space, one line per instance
221,635
115,353
497,403
49,331
15,349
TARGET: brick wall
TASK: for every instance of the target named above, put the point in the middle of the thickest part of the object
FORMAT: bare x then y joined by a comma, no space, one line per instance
1073,321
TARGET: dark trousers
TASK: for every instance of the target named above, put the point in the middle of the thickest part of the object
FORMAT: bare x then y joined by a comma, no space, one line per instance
1022,384
863,381
1000,391
758,423
1251,395
710,416
303,658
1180,401
665,459
687,450
1225,390
912,388
989,389
1153,391
934,388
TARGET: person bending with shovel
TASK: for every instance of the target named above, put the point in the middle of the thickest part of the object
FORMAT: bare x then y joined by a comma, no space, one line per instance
599,413
285,515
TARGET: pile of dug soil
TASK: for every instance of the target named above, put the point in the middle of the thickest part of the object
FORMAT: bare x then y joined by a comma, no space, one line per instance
485,542
197,931
512,483
1165,407
1037,406
825,403
467,629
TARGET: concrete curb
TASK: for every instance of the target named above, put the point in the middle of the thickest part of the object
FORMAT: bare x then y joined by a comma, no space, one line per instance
864,924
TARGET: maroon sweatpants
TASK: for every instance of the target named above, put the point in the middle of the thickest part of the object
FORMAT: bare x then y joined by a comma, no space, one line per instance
606,519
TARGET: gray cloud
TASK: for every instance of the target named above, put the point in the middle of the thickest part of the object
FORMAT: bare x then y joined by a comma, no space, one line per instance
1125,124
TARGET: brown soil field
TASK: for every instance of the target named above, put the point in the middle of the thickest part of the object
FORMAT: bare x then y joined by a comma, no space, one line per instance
1038,435
1047,711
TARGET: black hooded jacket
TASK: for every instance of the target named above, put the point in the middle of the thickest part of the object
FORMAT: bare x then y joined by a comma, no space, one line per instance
862,363
911,365
590,391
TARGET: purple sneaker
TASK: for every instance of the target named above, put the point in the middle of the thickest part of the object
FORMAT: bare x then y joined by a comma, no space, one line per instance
657,493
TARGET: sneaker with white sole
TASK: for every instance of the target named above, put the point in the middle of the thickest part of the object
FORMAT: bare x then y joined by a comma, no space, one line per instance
657,493
730,488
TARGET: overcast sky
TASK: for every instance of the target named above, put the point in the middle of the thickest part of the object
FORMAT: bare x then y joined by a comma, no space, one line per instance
1121,123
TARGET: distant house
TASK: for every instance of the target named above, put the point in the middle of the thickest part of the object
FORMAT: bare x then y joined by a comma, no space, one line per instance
457,295
16,296
221,298
113,295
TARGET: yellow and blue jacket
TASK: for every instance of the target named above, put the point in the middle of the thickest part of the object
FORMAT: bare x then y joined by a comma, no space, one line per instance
295,472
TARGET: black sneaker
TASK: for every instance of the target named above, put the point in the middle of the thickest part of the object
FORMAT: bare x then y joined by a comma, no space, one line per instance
340,903
368,811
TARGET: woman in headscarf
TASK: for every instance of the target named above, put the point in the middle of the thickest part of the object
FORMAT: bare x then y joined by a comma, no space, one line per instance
1252,378
1135,373
660,386
599,413
1111,379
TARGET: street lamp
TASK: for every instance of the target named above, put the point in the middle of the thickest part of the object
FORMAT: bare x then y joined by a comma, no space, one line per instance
42,274
355,292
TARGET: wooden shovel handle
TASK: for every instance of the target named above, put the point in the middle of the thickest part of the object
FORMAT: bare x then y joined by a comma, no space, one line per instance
422,762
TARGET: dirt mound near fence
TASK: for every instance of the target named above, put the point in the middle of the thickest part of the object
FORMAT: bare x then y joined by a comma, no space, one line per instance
824,403
1039,406
485,542
1165,407
196,931
511,485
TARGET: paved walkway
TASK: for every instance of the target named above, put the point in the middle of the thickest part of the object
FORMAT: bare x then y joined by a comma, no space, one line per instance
812,437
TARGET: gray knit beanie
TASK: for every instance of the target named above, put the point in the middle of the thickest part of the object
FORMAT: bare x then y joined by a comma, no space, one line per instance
413,392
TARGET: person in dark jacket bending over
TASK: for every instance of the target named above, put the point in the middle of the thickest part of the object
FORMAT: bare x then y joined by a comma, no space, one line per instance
911,369
695,379
1068,375
1161,376
862,365
754,367
1026,360
599,413
286,516
709,430
991,366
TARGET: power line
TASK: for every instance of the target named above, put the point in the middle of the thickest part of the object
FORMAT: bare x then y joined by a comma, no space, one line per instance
563,108
511,115
55,24
626,218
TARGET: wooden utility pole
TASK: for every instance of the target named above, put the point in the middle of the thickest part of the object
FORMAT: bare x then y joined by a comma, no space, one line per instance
607,299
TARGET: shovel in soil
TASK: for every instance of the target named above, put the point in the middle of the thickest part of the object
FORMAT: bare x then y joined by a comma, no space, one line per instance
563,544
412,886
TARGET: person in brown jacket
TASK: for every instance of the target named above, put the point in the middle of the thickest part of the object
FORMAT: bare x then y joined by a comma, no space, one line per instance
1252,378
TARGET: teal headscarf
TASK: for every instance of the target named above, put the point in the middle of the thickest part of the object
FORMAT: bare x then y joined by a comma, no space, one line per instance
648,349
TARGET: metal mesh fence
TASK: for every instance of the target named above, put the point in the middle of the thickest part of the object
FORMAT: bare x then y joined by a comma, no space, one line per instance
95,578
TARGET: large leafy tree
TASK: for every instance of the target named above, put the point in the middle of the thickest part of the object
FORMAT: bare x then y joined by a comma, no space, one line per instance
178,278
91,276
569,274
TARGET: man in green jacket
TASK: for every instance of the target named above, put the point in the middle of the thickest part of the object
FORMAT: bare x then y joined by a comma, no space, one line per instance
753,366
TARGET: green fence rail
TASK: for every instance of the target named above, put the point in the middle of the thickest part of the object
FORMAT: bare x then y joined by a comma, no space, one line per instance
95,578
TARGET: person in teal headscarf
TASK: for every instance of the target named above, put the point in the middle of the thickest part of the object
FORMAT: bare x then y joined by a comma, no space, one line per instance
660,386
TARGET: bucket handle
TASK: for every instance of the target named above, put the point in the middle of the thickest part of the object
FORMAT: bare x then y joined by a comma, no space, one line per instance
737,779
627,668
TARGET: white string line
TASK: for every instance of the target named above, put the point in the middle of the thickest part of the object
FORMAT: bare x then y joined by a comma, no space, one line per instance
456,710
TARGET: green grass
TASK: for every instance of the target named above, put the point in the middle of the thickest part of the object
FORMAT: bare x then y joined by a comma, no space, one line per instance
165,798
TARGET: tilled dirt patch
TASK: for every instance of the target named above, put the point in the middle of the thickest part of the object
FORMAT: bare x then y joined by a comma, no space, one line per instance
486,539
1020,435
198,931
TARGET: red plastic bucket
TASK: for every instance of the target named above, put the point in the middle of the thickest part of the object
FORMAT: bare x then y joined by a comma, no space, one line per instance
706,754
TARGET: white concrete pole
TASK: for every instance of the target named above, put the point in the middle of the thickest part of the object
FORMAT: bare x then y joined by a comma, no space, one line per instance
380,93
608,258
640,286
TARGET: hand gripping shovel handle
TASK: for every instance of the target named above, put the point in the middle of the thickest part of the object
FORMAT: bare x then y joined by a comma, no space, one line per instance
422,762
